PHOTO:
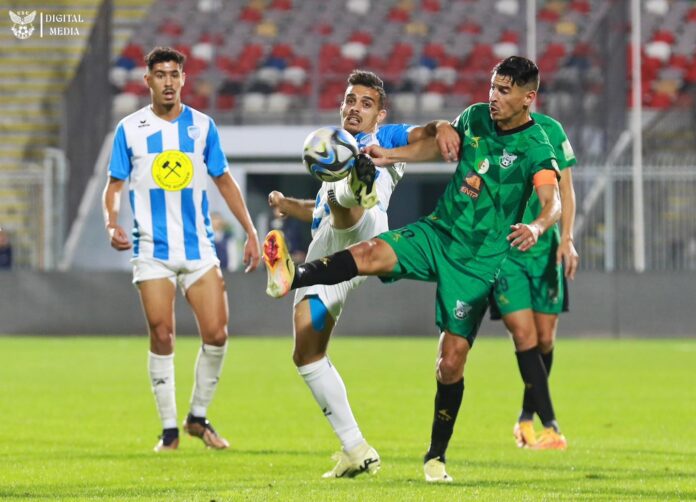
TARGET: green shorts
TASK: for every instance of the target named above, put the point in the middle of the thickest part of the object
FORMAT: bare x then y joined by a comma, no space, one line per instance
537,284
463,286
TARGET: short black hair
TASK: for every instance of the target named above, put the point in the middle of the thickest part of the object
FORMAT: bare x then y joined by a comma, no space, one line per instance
163,55
522,71
371,80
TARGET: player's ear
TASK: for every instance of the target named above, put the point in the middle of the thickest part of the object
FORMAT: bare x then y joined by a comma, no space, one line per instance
529,98
381,116
183,78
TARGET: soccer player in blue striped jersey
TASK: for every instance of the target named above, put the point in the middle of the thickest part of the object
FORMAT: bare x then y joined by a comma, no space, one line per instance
166,151
344,212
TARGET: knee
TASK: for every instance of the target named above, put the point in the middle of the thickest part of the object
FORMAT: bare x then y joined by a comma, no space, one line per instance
215,335
450,368
369,257
525,338
162,337
546,341
301,358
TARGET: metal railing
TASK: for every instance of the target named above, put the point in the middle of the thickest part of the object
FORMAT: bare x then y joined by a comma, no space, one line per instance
605,236
33,211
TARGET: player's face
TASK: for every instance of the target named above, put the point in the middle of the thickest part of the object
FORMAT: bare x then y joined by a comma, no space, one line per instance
509,103
165,81
360,110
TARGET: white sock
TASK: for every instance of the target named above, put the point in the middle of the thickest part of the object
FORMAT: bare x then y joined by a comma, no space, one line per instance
342,193
161,369
330,393
206,376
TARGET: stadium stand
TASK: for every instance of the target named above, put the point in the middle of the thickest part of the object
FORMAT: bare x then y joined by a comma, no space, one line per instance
250,60
35,73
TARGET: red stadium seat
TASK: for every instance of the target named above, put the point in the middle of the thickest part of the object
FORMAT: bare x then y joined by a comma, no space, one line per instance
398,15
226,102
250,15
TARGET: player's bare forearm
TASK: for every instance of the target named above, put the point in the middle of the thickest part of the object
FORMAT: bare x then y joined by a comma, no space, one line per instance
289,207
446,136
229,189
525,235
111,201
420,151
566,250
550,200
567,204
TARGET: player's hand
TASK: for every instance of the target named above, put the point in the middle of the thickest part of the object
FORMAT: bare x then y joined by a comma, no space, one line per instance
448,141
524,236
276,200
118,238
568,255
378,155
251,252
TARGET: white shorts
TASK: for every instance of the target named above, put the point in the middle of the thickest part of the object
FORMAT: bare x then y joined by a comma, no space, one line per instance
183,272
329,240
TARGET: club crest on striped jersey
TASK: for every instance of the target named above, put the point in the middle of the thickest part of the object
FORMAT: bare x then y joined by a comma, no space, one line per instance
172,170
194,132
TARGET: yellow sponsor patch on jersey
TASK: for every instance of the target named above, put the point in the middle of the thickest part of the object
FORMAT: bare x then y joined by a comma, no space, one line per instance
172,170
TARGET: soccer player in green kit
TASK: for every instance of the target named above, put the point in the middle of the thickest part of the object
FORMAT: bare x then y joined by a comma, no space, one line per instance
504,155
530,293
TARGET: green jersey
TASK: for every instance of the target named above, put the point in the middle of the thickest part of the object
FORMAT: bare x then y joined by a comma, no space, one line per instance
492,183
565,157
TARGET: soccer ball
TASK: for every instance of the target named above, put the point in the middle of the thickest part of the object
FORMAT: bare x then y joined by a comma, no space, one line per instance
329,153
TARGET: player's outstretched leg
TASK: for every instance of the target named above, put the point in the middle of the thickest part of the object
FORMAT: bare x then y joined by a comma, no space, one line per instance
279,265
201,427
362,181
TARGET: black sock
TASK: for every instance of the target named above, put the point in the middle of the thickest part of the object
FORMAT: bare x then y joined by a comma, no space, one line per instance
528,408
338,267
548,361
447,402
536,382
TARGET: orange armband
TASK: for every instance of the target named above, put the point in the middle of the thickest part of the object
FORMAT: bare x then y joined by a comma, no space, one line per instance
545,177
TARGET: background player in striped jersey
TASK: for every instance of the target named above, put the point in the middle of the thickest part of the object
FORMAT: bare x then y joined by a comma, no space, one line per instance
166,151
344,213
530,292
505,155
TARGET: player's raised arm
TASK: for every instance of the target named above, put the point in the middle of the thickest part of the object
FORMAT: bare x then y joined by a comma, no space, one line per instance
111,202
229,189
524,236
420,151
447,137
287,207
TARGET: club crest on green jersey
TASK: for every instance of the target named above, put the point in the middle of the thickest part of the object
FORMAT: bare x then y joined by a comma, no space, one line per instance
507,159
461,310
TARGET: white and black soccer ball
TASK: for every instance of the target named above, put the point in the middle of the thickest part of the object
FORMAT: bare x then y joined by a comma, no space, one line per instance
329,153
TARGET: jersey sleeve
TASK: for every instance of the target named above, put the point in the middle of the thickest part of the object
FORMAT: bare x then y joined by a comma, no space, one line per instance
120,164
394,135
213,156
543,157
561,145
461,121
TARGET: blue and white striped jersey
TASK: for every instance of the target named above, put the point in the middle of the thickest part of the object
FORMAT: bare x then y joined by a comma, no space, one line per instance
167,166
387,136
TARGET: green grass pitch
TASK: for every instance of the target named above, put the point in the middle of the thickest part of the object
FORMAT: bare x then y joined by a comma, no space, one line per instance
79,423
